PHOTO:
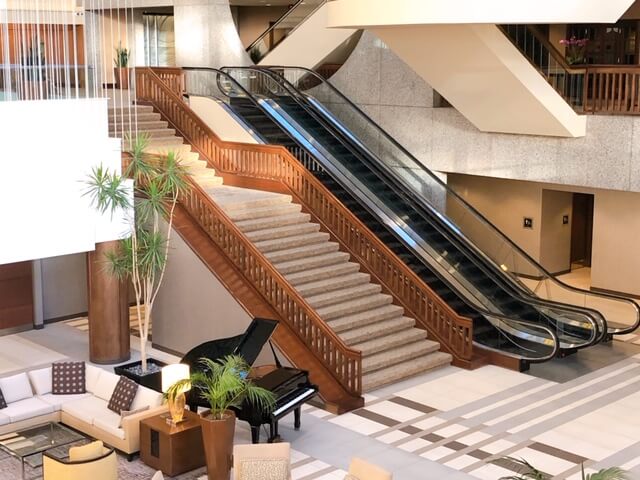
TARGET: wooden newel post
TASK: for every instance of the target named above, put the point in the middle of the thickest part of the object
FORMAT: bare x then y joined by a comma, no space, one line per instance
109,340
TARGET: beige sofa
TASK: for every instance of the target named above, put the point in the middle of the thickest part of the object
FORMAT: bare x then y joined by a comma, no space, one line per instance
30,402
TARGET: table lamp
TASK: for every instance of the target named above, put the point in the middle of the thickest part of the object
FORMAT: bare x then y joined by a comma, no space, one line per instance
171,374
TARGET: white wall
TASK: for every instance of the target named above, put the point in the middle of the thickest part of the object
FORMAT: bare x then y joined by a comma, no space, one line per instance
350,13
49,149
219,120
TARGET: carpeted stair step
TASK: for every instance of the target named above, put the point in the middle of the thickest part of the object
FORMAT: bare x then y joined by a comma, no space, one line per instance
309,262
371,363
374,331
208,183
333,283
268,211
125,109
398,338
271,222
354,306
283,232
331,298
155,133
403,370
281,256
150,121
291,242
323,272
367,317
232,199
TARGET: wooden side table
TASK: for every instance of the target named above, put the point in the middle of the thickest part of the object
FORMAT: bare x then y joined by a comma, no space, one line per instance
172,449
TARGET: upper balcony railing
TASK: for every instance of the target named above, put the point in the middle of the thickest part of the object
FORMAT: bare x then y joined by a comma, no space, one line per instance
596,89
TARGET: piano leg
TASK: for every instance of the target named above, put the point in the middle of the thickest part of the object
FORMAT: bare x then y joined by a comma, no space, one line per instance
274,436
296,418
255,433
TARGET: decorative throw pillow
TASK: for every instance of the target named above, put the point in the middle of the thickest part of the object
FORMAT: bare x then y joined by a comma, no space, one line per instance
3,404
264,469
126,413
123,395
67,378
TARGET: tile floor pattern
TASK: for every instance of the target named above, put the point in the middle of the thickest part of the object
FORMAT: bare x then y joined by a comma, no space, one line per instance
450,424
471,420
82,323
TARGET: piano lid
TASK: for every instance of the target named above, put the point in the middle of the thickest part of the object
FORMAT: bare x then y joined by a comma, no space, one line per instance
254,338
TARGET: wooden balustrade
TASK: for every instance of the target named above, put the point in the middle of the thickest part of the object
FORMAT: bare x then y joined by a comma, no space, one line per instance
612,90
275,163
344,362
172,77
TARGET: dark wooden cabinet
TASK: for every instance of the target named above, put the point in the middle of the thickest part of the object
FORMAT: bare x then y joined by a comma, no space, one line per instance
172,449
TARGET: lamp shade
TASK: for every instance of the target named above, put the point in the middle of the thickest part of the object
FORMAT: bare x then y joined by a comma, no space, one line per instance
174,373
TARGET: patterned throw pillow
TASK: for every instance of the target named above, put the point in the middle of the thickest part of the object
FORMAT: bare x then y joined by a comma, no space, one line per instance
264,469
68,378
3,403
123,395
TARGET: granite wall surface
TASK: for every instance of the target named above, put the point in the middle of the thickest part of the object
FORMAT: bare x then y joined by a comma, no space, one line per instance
402,103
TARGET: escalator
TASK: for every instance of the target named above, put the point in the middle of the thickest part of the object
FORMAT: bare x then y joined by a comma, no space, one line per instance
506,318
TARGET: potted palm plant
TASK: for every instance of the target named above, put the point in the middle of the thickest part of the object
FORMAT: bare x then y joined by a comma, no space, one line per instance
121,70
529,472
142,257
224,385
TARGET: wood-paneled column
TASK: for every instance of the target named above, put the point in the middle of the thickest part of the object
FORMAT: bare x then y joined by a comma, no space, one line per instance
108,310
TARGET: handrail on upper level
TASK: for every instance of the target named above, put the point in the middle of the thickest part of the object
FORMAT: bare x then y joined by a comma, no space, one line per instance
274,25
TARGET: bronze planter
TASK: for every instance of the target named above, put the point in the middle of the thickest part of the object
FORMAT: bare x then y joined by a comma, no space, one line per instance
217,436
121,78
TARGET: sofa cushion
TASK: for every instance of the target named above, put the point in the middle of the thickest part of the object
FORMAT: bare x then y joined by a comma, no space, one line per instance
106,384
86,409
58,400
4,419
16,387
27,408
86,452
68,378
92,377
123,395
40,380
3,402
146,397
109,422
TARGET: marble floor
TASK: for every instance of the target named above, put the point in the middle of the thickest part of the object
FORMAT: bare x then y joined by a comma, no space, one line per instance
450,424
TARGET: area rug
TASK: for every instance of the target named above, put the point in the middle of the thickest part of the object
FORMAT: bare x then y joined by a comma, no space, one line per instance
135,470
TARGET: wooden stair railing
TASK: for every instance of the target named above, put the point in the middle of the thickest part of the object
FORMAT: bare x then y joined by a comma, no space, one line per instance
342,361
275,163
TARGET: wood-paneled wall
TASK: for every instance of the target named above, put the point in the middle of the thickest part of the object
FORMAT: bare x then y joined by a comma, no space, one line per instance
16,295
58,43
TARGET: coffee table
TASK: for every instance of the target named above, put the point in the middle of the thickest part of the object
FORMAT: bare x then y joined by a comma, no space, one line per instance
28,445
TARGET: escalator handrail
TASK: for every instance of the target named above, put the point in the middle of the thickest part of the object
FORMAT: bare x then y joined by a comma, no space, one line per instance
450,191
520,293
597,334
280,20
553,337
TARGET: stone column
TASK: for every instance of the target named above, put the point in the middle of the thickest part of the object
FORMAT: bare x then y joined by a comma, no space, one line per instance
108,310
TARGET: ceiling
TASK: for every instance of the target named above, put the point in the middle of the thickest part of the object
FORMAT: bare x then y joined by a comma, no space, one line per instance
261,3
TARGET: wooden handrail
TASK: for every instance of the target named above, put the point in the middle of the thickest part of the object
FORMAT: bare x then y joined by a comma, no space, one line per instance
270,162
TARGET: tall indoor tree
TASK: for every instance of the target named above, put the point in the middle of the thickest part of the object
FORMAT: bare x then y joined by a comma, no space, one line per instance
158,181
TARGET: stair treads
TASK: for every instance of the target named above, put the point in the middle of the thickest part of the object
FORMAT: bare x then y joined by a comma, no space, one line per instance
290,254
259,212
282,232
372,332
293,241
353,306
332,284
366,317
403,370
323,272
273,221
312,261
342,295
396,355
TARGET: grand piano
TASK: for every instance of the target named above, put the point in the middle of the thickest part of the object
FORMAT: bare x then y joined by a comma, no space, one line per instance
290,386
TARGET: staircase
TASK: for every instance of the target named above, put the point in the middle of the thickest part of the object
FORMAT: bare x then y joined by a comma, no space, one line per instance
354,307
